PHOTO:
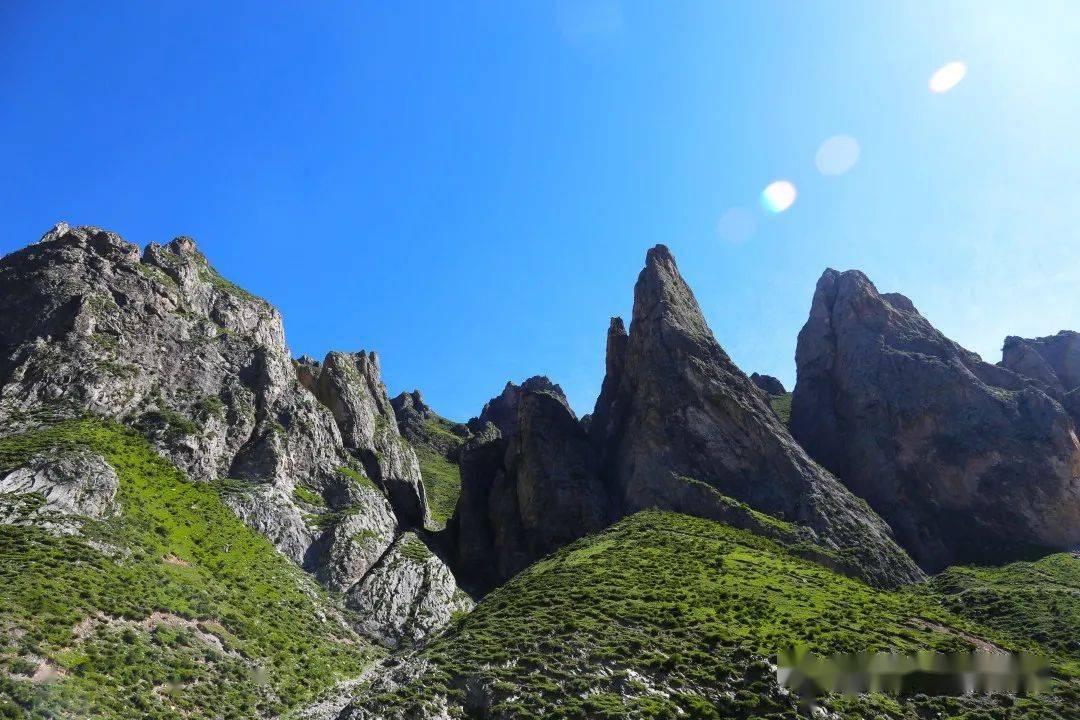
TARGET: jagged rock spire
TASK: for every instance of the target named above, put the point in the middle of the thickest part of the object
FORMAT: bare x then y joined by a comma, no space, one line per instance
679,415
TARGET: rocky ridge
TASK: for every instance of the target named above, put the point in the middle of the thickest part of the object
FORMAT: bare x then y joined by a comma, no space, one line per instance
968,461
677,426
160,341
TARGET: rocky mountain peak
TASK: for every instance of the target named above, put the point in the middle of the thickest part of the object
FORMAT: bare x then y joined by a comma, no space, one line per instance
677,418
966,439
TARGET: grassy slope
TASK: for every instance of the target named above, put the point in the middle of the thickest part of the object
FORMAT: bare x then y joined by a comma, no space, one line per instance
442,478
670,603
242,632
782,405
1037,602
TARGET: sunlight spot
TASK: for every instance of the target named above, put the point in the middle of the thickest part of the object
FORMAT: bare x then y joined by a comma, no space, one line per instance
837,155
947,77
778,196
736,225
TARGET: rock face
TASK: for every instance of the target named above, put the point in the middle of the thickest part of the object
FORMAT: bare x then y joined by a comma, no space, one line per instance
677,422
1052,361
768,383
968,461
350,384
160,341
408,596
422,427
527,488
56,490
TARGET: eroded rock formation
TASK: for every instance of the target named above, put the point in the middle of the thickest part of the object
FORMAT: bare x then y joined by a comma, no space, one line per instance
968,461
678,422
767,383
160,341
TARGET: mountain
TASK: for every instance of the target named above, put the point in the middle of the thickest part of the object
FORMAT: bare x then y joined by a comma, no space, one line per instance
193,524
308,456
437,442
678,426
1053,361
967,461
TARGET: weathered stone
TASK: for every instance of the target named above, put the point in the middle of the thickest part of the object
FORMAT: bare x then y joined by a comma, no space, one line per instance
350,385
968,461
527,493
423,427
408,596
57,489
769,384
675,413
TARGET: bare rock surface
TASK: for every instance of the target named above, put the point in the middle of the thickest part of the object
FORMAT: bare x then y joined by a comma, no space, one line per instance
350,385
160,341
410,595
57,489
676,416
527,492
968,461
769,384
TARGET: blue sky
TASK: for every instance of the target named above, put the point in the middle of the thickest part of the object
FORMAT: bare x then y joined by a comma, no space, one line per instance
470,188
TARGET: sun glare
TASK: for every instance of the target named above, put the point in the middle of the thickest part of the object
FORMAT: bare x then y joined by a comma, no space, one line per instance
947,77
778,196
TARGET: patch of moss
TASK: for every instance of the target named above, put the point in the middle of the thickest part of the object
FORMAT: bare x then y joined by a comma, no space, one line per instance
309,497
173,609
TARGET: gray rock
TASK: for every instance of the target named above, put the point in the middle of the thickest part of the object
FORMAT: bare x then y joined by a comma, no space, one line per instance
1053,362
769,384
410,595
350,385
502,411
968,461
526,493
57,489
675,414
160,341
422,427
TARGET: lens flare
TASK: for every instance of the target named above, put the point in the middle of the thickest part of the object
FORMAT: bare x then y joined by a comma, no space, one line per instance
947,77
778,196
837,155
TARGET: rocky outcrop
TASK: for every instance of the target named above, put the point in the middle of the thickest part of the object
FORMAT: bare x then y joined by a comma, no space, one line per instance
1053,362
768,384
968,461
408,596
502,410
58,489
350,385
526,491
160,341
678,425
422,427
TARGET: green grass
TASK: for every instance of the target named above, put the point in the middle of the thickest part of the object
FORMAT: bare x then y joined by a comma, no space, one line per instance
782,405
442,483
1036,603
308,497
666,616
238,632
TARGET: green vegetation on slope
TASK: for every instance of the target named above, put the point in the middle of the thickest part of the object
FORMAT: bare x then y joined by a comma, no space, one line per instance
173,609
781,404
665,616
1035,603
442,483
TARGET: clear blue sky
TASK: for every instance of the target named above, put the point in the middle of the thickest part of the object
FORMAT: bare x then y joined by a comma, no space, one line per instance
470,188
